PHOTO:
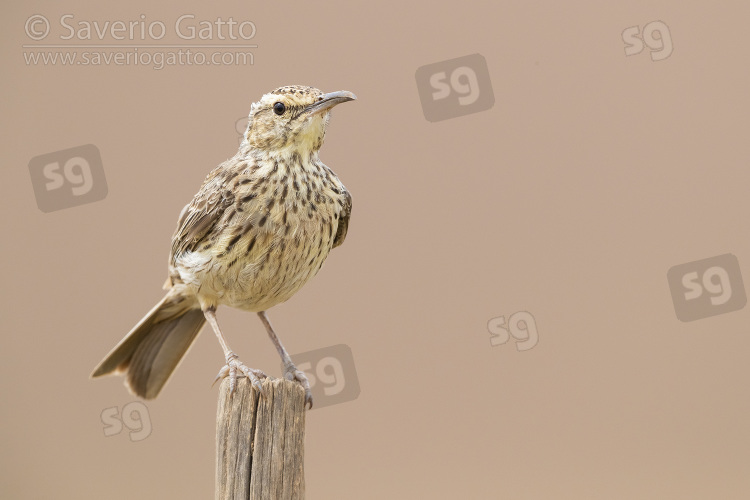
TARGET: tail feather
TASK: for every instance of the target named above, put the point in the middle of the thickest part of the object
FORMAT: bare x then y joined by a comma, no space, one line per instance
153,349
157,357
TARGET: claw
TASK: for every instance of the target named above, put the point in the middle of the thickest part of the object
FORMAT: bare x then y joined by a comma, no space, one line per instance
292,373
230,369
222,373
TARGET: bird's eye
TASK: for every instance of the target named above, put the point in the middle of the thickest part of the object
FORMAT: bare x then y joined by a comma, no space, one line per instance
279,108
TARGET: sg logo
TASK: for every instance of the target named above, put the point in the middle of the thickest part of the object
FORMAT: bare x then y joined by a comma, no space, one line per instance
68,178
134,416
331,374
707,287
467,92
660,46
521,326
455,87
241,126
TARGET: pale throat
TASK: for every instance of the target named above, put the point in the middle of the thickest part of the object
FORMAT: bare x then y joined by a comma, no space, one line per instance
305,145
303,150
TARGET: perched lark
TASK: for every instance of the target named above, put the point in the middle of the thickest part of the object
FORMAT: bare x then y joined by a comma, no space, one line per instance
260,227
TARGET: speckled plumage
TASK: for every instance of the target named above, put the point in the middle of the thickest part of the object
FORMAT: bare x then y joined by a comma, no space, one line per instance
259,228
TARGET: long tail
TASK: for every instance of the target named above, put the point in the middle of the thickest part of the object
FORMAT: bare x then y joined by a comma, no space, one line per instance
152,350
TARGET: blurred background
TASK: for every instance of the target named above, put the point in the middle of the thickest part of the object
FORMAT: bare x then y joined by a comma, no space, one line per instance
540,295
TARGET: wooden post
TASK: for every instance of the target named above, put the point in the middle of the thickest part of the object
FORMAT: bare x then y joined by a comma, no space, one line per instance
260,441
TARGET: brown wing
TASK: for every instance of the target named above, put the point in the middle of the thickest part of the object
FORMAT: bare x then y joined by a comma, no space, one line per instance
200,216
343,220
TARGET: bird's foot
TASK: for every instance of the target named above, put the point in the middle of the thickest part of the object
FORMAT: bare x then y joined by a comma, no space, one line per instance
292,373
233,366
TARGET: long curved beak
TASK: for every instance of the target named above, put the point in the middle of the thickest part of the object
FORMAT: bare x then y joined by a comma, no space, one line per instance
329,100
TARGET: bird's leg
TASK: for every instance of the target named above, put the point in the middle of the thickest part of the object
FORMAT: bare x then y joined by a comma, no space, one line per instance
290,371
233,362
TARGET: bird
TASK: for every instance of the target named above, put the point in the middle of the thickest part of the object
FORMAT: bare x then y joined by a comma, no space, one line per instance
259,228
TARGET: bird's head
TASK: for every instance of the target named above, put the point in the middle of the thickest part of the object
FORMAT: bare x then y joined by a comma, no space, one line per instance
293,117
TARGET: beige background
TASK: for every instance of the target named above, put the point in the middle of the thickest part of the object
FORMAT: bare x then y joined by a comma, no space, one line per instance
591,176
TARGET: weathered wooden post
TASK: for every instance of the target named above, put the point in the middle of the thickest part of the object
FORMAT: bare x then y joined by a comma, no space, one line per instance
260,441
